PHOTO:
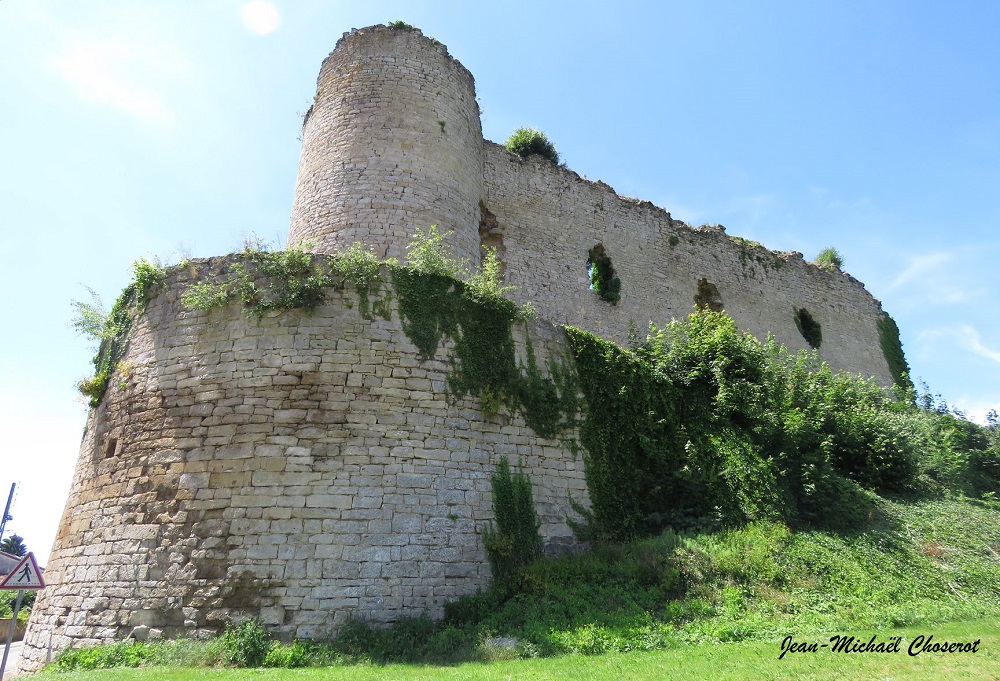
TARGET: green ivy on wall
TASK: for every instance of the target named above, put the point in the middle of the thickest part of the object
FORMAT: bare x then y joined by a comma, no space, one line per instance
512,542
117,327
892,350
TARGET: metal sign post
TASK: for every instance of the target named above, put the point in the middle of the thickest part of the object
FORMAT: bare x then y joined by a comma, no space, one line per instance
10,632
25,575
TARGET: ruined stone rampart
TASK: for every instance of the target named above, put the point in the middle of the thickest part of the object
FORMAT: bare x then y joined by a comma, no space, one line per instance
548,218
304,468
300,468
393,144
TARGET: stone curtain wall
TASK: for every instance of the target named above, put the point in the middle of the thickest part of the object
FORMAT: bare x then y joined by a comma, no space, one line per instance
303,468
297,468
392,143
548,218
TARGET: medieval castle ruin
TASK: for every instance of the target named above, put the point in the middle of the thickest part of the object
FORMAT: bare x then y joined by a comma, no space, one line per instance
303,468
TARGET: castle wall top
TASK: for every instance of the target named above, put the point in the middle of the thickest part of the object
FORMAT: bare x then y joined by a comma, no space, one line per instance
393,143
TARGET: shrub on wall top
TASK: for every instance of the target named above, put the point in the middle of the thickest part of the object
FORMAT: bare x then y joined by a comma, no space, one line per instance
527,141
829,259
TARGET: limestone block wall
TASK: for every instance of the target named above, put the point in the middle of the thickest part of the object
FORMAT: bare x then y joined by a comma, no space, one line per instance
295,468
393,142
548,218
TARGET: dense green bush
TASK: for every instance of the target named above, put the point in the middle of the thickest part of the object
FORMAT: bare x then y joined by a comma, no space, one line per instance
527,141
122,654
702,424
603,279
829,259
427,254
246,644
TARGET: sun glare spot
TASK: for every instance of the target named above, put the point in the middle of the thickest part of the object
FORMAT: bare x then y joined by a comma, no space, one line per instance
260,17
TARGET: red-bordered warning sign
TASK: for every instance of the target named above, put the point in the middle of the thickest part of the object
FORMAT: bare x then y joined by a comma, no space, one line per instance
25,576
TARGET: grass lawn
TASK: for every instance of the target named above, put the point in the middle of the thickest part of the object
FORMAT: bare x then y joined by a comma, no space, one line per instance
747,660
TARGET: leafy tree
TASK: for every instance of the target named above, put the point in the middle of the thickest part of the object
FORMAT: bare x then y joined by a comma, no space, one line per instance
14,545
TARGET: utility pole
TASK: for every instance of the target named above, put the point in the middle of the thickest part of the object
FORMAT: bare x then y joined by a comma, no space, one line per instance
6,512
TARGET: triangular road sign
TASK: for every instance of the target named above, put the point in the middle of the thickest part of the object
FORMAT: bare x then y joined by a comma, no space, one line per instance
25,576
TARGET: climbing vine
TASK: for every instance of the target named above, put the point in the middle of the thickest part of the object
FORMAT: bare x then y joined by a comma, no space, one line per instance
117,327
892,350
479,321
513,541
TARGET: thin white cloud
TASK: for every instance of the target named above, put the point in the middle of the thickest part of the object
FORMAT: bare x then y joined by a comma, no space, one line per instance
260,17
753,210
973,341
923,266
98,72
967,337
129,60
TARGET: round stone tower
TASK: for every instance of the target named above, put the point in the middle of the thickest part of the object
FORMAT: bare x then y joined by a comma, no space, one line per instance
392,143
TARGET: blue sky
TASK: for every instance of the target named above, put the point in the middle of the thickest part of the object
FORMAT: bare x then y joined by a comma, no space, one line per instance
170,129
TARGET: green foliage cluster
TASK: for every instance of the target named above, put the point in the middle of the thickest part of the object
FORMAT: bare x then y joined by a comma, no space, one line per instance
8,599
956,455
14,545
892,350
702,425
527,141
486,283
126,653
745,244
246,644
264,280
399,25
290,279
513,542
603,279
829,259
112,330
479,320
427,255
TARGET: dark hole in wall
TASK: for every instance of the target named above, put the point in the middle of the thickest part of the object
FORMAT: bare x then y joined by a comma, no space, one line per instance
603,279
809,328
109,451
708,296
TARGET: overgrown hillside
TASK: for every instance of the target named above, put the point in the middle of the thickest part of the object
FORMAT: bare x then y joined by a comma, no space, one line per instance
907,563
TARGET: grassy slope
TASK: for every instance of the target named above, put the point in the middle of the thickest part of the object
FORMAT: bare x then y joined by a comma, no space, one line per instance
747,660
918,564
910,563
